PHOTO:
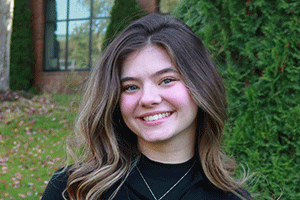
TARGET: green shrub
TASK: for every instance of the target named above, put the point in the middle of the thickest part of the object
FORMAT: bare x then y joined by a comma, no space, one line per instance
256,44
22,55
122,14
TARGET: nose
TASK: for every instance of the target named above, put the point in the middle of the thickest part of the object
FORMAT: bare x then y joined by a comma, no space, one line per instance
150,96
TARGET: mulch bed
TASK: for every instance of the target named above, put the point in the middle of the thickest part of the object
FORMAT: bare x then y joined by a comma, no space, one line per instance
15,95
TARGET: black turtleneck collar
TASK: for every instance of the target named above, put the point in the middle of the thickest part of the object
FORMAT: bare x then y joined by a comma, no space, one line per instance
162,171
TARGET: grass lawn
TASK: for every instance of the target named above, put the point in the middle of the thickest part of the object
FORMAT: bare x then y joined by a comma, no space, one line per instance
32,143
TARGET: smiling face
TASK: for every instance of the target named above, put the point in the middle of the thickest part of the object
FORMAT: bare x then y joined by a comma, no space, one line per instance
155,103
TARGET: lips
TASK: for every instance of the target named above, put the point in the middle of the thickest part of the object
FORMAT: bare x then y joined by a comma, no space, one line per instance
156,116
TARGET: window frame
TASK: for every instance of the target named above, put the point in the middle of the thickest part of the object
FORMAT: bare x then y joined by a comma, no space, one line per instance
68,20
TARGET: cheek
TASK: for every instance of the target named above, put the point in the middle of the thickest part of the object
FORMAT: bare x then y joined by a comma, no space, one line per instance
127,104
180,97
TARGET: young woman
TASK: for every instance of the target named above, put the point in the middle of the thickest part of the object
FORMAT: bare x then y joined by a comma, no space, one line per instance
150,123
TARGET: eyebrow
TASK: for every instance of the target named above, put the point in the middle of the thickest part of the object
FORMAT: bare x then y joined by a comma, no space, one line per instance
165,70
160,72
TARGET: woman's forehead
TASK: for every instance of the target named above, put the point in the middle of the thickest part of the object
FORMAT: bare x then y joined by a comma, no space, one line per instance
150,59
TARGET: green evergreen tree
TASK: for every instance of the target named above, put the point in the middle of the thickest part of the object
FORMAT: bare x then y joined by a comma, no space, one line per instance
22,55
122,14
257,47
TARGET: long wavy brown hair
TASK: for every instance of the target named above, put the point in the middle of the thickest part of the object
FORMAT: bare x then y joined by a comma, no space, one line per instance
108,149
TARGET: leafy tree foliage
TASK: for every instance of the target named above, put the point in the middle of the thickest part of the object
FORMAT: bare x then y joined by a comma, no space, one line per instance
122,14
22,55
256,45
167,6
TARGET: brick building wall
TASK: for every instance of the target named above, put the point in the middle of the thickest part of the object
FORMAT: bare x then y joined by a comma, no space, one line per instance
59,81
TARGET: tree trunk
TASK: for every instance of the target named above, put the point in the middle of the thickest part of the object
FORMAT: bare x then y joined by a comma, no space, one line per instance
6,20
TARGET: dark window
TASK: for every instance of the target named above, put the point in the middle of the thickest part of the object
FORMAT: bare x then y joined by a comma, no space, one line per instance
74,30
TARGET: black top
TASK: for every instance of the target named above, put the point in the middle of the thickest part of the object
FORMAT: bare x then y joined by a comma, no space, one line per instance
160,178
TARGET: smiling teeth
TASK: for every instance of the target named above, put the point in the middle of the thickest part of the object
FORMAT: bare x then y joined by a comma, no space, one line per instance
156,117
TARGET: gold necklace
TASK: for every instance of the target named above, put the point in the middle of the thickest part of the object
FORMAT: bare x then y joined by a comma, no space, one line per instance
171,188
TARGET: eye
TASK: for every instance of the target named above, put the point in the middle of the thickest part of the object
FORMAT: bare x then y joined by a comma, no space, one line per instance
168,80
130,88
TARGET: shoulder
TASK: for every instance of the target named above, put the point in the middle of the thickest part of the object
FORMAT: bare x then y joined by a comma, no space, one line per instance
216,193
244,193
57,185
209,191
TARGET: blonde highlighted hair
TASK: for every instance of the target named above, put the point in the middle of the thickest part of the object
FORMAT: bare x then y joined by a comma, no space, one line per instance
108,148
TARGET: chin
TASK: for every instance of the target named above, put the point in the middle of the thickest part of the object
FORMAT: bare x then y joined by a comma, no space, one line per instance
156,138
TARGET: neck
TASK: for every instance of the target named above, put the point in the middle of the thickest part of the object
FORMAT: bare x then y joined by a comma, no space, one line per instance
168,152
